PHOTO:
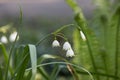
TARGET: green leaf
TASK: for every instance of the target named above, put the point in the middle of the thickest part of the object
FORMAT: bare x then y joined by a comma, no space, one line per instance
20,69
28,77
4,52
41,69
81,50
43,73
5,56
33,58
55,72
81,22
21,15
67,63
102,5
1,74
56,69
115,23
18,55
29,50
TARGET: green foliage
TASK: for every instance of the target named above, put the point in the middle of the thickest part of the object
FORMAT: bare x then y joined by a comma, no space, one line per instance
102,38
20,57
98,51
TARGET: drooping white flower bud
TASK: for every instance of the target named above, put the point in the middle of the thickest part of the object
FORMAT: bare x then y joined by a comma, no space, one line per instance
83,36
70,53
13,36
4,39
66,46
55,43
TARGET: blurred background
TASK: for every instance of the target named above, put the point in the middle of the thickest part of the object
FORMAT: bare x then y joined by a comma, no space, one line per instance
40,17
39,12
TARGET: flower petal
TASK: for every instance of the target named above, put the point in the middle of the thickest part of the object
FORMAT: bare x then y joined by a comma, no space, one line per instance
66,46
55,43
70,53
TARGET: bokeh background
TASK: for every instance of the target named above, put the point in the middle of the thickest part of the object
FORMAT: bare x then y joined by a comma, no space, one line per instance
39,18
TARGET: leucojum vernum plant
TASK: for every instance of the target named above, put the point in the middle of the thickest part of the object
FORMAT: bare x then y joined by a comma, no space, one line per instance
20,70
22,63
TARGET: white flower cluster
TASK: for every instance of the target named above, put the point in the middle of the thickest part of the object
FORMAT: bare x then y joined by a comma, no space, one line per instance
66,47
12,37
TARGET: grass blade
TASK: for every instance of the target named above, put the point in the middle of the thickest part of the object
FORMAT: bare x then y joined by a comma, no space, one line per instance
28,76
20,70
43,73
1,74
76,66
6,57
4,52
54,72
33,58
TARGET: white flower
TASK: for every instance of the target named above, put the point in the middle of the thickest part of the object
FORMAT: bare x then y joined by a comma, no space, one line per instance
70,53
83,36
4,39
55,43
66,46
13,36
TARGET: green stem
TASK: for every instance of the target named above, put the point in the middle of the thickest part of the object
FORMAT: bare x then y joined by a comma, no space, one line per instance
4,52
91,54
117,47
54,33
13,45
57,73
104,62
63,27
101,74
104,52
62,37
17,68
79,67
38,43
10,54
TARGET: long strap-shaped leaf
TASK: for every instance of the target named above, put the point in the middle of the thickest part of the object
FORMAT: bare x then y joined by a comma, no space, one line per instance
80,20
33,57
20,70
2,47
